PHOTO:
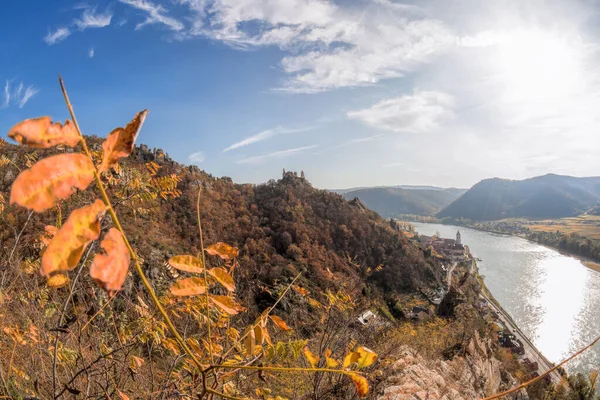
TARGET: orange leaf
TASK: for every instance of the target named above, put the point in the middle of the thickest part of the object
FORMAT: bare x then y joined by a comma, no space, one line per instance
41,133
186,263
65,250
300,290
110,270
122,395
225,303
50,180
222,250
223,277
362,386
249,342
49,232
280,323
121,141
57,281
188,287
310,357
135,363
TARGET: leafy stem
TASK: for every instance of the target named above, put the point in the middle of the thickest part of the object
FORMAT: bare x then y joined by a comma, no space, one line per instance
117,223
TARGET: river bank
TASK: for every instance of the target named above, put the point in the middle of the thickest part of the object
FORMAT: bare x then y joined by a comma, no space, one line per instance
588,262
551,297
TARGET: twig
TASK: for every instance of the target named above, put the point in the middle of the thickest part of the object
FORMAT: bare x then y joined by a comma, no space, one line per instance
212,360
545,374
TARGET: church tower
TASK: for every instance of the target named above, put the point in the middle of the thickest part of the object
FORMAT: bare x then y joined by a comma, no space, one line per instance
458,237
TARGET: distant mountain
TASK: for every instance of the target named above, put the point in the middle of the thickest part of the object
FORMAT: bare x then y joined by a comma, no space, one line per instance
392,201
548,196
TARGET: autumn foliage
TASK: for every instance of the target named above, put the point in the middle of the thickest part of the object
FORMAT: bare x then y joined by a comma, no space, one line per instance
205,365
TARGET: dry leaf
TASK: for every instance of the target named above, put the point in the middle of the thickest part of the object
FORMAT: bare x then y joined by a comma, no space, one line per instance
366,357
223,277
351,358
50,180
135,363
57,281
310,357
122,395
280,323
186,263
222,250
49,232
362,386
250,343
121,141
188,287
110,270
66,248
41,133
331,362
300,290
225,303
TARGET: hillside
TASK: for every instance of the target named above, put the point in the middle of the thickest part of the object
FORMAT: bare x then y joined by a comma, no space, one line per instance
548,196
392,201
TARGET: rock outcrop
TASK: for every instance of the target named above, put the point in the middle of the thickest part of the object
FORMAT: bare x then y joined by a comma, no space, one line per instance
473,375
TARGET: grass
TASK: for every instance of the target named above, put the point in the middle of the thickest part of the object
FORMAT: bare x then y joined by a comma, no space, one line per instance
584,225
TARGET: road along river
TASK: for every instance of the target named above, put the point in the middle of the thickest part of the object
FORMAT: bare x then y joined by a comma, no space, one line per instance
553,298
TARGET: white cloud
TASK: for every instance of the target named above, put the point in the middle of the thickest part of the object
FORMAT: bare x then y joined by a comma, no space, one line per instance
331,45
57,36
91,53
277,154
264,135
155,14
18,96
197,157
419,112
91,19
392,165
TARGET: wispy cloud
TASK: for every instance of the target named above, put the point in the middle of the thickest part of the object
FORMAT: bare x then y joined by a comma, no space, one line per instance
392,165
91,53
19,95
418,112
155,14
264,135
58,35
351,142
197,157
92,19
277,154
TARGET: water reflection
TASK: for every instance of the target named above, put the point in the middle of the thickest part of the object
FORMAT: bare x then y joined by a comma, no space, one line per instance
553,298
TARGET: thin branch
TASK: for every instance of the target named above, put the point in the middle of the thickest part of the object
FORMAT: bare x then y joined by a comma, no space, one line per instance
545,374
212,359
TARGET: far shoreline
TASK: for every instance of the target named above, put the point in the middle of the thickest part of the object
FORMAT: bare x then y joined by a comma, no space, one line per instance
588,263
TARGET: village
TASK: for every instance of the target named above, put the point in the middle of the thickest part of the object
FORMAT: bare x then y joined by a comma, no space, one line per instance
452,253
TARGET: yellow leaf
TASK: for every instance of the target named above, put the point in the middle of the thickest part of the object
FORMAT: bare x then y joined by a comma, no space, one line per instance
362,386
258,335
310,357
67,246
57,281
331,362
194,345
50,180
225,303
350,358
188,287
170,345
121,141
300,290
110,270
223,277
280,323
366,357
41,133
222,250
135,363
186,263
249,343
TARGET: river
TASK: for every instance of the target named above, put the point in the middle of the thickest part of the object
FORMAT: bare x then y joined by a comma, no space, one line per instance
553,298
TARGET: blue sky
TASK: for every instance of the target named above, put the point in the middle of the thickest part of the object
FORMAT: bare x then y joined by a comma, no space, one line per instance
354,92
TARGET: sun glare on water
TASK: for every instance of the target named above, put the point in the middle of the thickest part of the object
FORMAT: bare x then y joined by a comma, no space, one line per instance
539,66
